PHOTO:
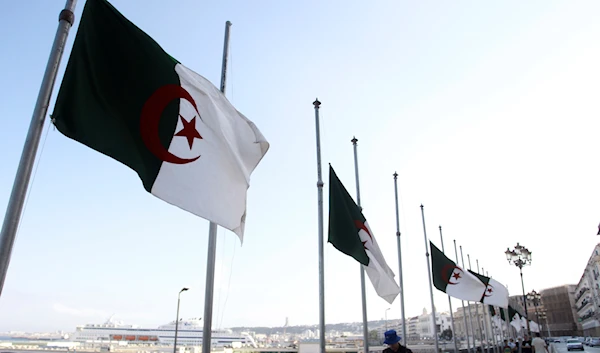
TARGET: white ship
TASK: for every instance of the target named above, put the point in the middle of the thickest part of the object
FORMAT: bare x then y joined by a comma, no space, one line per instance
189,333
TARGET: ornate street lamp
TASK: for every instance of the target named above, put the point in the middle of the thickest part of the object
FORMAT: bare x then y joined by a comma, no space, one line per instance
520,256
536,299
544,316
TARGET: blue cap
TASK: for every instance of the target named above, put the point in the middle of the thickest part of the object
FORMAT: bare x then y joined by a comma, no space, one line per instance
391,337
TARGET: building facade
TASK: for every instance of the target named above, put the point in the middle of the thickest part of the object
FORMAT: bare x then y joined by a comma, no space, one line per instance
587,294
479,325
558,304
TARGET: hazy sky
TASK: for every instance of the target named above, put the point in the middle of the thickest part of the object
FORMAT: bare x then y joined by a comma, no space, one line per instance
488,111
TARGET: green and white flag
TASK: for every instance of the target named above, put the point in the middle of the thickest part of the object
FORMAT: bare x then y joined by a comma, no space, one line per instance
452,279
495,292
124,96
350,233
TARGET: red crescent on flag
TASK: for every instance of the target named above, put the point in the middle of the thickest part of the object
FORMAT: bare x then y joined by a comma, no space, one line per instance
361,226
150,119
445,273
488,291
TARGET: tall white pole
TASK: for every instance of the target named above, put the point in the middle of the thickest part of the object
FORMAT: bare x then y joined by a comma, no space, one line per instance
212,232
507,319
14,209
404,337
362,270
490,318
317,104
481,333
450,302
483,317
463,306
462,260
487,321
435,331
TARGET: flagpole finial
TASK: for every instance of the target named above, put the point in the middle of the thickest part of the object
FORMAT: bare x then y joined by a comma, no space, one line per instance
421,206
440,227
395,175
316,103
354,140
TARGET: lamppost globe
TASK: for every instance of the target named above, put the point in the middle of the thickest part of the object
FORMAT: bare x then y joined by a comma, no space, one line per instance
520,256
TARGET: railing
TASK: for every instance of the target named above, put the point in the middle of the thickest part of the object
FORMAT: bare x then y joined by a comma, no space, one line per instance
585,302
588,315
580,294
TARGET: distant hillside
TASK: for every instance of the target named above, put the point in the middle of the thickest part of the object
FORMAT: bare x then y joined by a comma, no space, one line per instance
343,327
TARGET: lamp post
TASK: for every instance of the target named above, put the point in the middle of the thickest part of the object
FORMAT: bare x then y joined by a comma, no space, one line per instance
535,298
386,326
544,316
520,256
177,319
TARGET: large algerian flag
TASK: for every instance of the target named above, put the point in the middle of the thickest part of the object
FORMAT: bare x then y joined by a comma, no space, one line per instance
349,232
452,279
124,96
495,293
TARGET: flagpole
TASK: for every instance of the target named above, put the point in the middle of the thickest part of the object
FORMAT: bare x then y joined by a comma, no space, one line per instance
507,321
462,259
317,104
463,306
487,320
483,317
481,336
490,319
450,302
362,270
212,232
435,332
14,209
404,337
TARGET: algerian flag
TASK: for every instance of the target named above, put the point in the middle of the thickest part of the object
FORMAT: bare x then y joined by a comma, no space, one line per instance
452,279
125,97
495,293
350,234
516,322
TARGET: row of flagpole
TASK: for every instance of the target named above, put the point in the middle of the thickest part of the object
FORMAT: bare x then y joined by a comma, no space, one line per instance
485,319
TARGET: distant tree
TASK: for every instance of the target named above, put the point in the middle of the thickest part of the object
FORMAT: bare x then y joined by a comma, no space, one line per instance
373,335
446,334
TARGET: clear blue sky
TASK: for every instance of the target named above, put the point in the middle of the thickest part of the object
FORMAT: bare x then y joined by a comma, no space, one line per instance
488,111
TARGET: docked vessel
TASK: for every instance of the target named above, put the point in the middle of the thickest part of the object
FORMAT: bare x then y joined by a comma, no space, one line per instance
189,333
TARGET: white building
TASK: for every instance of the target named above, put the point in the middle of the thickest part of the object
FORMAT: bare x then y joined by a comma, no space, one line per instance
479,324
426,327
587,295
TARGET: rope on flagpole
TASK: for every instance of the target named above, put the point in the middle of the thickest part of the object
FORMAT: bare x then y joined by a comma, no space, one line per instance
30,191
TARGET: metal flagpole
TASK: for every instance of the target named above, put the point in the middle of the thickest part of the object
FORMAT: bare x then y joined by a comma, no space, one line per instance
507,320
462,260
481,335
463,307
404,337
487,319
483,317
491,323
435,331
317,104
14,209
477,312
212,232
450,303
362,270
